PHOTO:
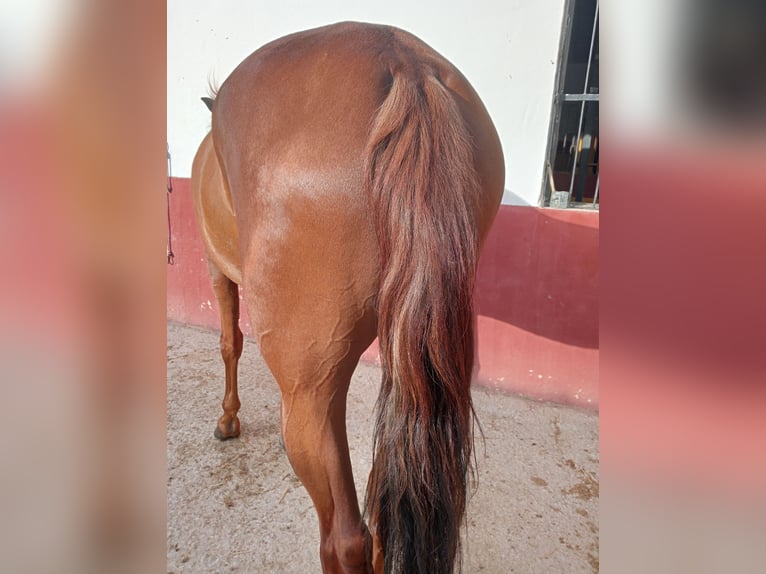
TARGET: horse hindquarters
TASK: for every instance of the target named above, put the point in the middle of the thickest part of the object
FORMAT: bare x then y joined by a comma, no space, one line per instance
292,130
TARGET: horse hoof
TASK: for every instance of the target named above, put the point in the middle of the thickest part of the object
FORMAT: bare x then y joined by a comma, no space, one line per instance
227,429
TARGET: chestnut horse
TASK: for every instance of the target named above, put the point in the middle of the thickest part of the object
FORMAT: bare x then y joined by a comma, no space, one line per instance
348,181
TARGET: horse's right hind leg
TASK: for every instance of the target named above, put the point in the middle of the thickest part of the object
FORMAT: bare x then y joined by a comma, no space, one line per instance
227,295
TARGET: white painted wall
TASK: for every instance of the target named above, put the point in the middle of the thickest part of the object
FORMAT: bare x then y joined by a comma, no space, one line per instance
507,49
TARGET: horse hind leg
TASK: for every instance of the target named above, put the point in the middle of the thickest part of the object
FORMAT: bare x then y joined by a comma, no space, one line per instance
227,296
314,431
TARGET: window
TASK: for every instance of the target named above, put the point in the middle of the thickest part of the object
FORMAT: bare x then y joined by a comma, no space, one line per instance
571,176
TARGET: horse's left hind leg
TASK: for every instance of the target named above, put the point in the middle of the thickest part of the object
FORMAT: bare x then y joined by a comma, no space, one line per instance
315,437
227,295
314,431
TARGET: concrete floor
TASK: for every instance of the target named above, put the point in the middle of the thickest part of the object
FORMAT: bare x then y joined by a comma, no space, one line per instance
236,506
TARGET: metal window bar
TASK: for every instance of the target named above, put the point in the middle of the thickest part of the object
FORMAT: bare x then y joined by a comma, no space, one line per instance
595,195
581,97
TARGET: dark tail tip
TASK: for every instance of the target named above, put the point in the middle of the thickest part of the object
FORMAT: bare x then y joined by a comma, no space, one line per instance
208,102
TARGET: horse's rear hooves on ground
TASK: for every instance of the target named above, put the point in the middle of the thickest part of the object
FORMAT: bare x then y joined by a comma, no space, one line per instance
227,430
220,436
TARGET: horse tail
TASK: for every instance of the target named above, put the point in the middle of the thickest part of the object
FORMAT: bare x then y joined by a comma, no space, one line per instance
423,190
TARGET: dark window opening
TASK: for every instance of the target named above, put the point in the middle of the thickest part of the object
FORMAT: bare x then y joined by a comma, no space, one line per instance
572,165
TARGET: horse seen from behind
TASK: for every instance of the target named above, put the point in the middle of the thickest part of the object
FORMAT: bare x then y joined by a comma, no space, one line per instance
348,181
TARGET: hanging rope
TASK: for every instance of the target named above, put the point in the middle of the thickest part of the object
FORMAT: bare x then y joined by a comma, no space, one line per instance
171,257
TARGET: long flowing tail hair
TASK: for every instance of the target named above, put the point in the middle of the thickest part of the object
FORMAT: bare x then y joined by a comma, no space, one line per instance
423,192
